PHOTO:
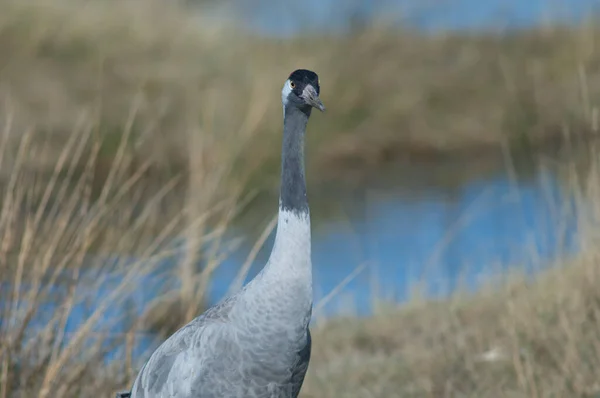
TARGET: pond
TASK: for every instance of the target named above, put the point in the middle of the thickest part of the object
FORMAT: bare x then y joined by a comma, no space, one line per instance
402,232
407,228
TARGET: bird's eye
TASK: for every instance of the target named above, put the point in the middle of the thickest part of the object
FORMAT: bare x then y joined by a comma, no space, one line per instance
292,84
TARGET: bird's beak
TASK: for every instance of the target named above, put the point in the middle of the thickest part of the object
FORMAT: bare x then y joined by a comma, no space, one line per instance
310,96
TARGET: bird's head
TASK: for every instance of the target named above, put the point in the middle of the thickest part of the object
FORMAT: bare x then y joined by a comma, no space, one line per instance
301,90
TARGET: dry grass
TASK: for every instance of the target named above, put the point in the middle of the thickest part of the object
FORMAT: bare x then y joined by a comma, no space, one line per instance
52,231
536,339
390,93
58,225
128,123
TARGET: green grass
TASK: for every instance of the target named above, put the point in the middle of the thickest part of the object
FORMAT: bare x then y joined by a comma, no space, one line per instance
126,123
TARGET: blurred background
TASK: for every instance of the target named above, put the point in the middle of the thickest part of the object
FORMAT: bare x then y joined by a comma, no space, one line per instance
453,184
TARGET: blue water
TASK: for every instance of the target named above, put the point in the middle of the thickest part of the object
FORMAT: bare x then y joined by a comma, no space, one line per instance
289,18
443,241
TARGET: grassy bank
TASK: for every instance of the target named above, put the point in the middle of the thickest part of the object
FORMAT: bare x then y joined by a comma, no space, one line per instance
537,339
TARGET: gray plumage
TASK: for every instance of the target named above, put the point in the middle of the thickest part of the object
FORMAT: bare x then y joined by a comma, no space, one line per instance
255,343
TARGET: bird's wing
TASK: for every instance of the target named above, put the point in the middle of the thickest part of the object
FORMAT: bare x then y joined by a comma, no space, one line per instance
163,374
299,371
173,367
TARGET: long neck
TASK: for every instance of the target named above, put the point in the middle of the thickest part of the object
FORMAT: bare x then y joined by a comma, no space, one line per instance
291,252
283,289
292,193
